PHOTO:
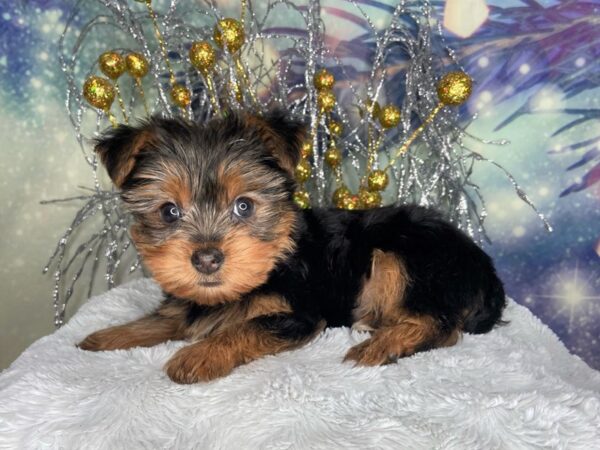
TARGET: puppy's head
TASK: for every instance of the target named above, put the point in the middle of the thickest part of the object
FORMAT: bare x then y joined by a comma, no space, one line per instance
212,204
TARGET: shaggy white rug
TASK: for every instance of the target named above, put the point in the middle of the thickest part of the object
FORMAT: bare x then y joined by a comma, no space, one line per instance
516,387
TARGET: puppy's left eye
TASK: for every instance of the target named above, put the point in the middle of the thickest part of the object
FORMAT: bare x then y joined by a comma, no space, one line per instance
243,207
170,212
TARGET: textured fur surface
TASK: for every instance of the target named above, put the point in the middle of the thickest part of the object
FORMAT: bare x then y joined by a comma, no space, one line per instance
514,388
402,272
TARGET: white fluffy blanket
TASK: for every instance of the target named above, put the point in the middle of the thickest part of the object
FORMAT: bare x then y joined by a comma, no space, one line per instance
516,387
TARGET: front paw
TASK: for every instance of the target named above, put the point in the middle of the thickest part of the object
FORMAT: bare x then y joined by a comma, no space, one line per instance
199,362
95,342
108,339
370,353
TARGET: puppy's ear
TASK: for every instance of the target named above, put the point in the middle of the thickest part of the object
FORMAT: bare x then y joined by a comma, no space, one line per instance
282,136
118,147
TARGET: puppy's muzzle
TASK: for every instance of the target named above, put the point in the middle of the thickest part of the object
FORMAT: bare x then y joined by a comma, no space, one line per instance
207,261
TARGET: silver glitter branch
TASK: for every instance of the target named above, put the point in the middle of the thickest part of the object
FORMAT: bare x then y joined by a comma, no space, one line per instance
110,243
400,63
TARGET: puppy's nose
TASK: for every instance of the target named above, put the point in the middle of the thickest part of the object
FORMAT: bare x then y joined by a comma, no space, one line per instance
207,260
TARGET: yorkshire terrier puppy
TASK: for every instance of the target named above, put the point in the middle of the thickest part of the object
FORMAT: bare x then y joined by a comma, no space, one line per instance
245,273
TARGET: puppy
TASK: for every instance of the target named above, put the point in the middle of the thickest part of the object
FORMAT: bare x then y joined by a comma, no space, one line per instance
245,273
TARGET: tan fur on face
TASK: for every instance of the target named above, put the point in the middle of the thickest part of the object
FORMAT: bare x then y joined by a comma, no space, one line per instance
234,182
247,264
248,260
243,178
170,264
380,299
176,187
167,182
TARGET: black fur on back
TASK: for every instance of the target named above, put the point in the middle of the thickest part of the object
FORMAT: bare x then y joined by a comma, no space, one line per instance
452,279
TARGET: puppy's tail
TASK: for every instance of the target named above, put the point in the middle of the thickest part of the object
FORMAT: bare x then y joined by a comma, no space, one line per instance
487,311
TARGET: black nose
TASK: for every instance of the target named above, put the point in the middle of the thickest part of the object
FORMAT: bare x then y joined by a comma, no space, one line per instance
208,260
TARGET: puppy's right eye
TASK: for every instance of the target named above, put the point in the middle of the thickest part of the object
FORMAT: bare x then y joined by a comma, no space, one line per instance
243,207
170,212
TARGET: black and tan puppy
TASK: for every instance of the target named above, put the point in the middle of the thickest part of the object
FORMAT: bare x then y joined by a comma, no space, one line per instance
246,273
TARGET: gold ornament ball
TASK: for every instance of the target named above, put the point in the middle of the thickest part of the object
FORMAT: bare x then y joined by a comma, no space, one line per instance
180,95
229,32
99,92
339,195
454,88
302,171
377,180
350,202
323,80
335,128
369,199
203,56
333,157
112,64
326,101
389,116
137,65
302,199
306,150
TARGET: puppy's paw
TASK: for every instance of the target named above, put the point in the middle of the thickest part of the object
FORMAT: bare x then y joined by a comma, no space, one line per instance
95,342
371,353
114,338
199,362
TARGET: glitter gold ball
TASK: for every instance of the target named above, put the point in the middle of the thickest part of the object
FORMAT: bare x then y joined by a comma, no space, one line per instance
350,202
302,199
454,88
323,80
333,157
339,195
231,33
306,150
389,116
302,171
112,64
203,56
99,92
369,199
335,128
326,101
137,65
377,180
181,95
